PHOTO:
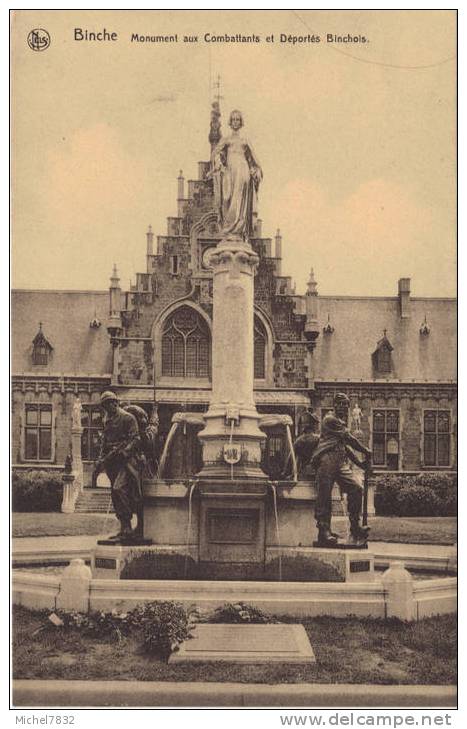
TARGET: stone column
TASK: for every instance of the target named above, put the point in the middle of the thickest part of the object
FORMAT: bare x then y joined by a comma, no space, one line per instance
69,495
76,433
234,264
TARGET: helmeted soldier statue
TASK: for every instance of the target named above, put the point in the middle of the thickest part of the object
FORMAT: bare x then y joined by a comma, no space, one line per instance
118,458
143,461
306,443
331,460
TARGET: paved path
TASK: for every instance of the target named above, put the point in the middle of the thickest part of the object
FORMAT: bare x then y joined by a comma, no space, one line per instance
440,558
170,694
53,544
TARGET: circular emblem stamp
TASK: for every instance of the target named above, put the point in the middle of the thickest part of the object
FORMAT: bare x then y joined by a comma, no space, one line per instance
38,39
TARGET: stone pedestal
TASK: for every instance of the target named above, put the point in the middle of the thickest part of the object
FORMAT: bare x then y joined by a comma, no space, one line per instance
399,586
74,587
232,418
231,530
70,493
76,433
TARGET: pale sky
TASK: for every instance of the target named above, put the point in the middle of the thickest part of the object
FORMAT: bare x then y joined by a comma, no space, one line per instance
357,142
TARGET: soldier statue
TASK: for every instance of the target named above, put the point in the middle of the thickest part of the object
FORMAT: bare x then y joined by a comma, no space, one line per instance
119,459
331,460
307,441
144,461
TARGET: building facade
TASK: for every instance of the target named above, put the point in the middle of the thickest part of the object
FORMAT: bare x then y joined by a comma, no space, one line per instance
394,356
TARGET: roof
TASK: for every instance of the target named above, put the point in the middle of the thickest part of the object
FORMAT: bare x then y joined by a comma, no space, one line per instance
65,317
359,324
345,354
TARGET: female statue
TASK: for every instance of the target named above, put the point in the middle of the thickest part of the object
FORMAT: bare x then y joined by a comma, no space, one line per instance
238,174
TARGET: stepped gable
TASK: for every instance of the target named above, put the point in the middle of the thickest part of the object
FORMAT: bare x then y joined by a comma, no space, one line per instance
178,269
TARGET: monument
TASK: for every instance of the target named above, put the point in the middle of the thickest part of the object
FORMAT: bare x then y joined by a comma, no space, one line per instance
232,521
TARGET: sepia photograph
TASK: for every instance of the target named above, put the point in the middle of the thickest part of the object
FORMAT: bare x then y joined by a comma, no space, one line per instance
233,333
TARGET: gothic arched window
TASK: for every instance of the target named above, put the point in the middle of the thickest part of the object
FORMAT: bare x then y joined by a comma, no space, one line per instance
259,350
185,345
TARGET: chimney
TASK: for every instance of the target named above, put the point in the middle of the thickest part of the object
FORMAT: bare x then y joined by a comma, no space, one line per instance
278,252
404,297
181,186
180,193
150,241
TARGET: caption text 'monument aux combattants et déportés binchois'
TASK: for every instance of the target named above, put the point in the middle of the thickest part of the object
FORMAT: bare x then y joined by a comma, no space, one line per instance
83,34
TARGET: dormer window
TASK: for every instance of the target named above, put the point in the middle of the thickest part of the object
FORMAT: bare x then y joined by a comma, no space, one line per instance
41,348
382,358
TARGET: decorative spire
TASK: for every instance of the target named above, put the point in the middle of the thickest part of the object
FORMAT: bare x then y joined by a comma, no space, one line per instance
114,279
215,134
312,287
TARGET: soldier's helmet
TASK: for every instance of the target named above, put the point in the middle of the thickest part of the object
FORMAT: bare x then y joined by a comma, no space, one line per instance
308,421
108,395
139,414
341,400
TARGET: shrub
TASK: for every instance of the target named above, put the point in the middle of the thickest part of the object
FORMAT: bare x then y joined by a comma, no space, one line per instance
240,612
34,490
97,624
426,494
164,625
444,485
161,626
386,492
417,500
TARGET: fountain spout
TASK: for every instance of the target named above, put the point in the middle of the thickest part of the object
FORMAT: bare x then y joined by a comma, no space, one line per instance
178,419
165,452
269,421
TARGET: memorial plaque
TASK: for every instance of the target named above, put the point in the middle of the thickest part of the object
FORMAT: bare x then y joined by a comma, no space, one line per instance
360,566
246,644
105,563
233,526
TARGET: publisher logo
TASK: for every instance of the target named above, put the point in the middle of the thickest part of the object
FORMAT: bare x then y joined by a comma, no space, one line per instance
38,39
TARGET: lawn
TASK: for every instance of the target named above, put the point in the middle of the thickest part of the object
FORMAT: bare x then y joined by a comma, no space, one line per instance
348,650
56,524
415,529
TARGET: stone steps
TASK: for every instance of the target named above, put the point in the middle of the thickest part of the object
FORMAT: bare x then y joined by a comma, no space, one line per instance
93,501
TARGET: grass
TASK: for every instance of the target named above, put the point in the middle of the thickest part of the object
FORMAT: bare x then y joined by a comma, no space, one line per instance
348,650
56,524
415,529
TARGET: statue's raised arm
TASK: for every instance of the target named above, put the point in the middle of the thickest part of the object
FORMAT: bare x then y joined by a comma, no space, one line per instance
238,176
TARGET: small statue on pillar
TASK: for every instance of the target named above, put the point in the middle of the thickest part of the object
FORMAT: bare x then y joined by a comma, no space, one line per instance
76,413
356,418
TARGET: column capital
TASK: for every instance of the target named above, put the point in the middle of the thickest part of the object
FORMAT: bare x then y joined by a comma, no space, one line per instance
234,255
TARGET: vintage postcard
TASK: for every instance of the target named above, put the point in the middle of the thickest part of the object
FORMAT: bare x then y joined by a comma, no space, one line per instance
234,384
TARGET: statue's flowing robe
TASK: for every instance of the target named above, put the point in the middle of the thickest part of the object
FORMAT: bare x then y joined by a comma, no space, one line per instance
234,162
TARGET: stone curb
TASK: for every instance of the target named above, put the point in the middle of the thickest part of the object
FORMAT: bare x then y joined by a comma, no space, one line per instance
76,694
